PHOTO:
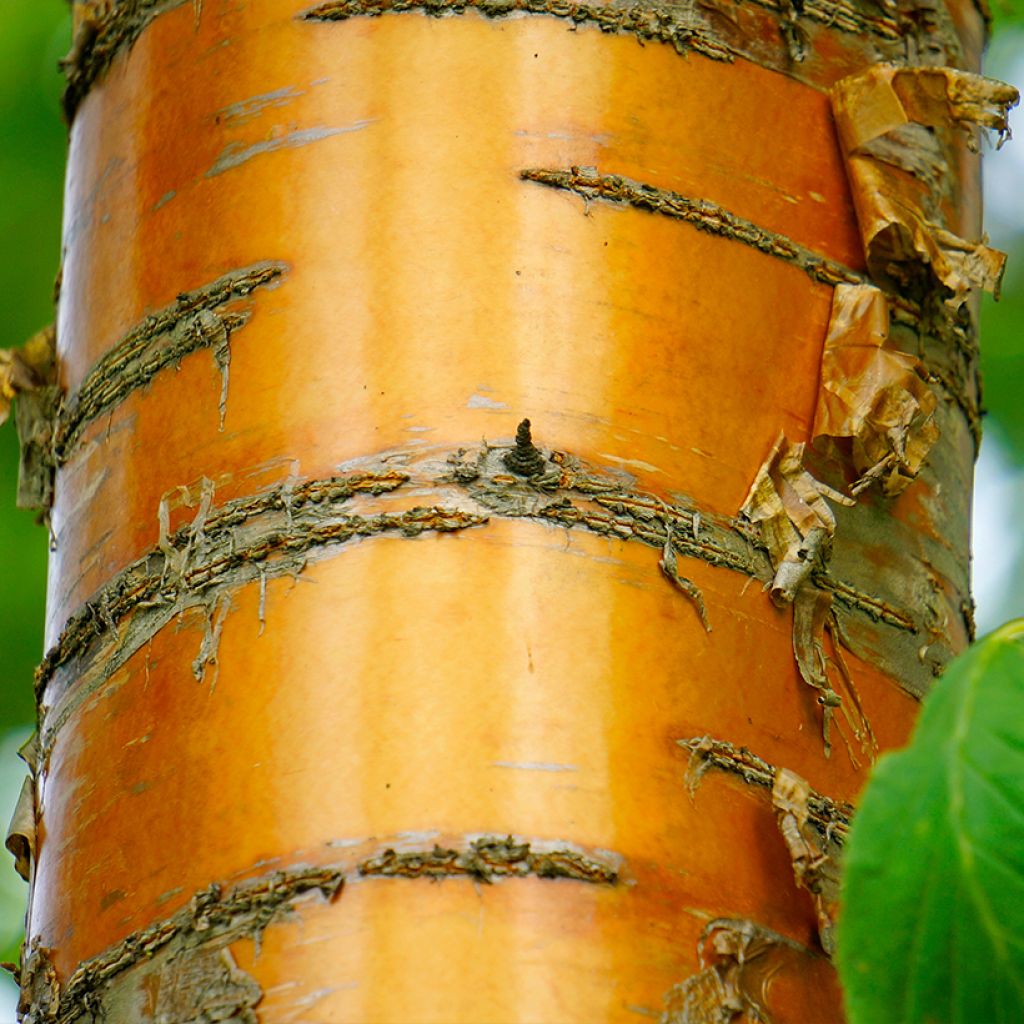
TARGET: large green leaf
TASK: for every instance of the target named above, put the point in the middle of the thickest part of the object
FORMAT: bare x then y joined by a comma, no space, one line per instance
933,920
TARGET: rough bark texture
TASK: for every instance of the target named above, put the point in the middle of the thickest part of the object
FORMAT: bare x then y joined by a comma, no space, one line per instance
350,715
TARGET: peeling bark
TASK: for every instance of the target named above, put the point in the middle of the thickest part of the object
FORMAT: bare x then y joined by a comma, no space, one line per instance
743,957
181,969
30,373
277,532
200,319
813,868
894,183
702,214
27,369
21,832
830,818
872,394
487,859
178,966
665,26
792,511
105,28
932,326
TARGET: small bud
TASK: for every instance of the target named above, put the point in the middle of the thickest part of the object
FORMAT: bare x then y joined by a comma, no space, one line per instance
525,459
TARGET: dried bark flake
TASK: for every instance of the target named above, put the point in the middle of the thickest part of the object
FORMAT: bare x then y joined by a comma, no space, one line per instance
874,395
898,219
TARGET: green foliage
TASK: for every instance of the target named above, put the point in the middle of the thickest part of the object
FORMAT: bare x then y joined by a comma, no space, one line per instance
12,887
34,36
933,920
1002,358
1007,12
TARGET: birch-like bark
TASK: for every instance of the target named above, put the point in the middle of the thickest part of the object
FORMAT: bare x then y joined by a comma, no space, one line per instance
366,700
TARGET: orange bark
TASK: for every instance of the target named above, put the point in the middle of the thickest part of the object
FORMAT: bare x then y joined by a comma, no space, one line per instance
513,678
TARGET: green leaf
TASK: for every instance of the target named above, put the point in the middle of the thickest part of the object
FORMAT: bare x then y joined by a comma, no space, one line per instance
1007,12
932,927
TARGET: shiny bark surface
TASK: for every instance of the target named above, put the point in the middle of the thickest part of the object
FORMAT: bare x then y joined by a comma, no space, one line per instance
319,234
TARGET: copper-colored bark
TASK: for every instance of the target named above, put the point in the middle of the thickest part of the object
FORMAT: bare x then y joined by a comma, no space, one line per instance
500,667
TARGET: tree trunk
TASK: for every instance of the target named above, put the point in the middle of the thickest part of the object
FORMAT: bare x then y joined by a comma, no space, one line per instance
351,715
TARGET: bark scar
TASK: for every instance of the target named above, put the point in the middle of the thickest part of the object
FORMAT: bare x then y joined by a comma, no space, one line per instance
669,567
738,959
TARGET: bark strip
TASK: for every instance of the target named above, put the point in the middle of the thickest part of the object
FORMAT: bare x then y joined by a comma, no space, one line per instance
106,28
813,827
938,332
196,320
628,514
737,959
152,585
831,818
185,957
653,22
276,533
927,319
110,27
213,918
489,858
702,214
815,868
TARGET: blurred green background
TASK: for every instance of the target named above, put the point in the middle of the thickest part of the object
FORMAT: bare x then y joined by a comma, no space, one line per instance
34,34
